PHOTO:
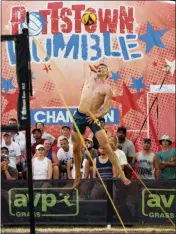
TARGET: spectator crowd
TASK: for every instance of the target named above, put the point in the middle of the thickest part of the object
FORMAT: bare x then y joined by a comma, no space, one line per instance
53,158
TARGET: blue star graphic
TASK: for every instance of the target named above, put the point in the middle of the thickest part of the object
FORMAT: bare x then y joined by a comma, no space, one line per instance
7,84
152,38
115,76
138,84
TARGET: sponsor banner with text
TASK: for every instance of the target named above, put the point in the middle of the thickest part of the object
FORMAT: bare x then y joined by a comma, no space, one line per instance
55,202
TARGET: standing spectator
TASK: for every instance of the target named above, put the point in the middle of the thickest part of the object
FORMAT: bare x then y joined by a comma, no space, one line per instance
105,170
53,157
66,132
37,134
14,150
7,172
127,148
45,135
167,159
64,154
18,137
103,166
88,171
120,154
148,166
41,165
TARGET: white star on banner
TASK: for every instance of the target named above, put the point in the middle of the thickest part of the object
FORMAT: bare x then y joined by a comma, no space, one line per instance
136,25
7,27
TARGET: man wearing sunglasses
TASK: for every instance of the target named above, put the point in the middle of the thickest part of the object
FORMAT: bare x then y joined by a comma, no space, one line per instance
7,172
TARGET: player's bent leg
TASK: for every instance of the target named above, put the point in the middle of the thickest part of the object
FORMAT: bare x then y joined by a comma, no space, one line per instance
104,144
77,157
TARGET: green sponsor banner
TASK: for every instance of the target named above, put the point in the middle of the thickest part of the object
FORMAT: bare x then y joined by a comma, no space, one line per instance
56,202
159,203
47,202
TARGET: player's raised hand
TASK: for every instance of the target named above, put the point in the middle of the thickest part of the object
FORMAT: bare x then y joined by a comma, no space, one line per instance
92,68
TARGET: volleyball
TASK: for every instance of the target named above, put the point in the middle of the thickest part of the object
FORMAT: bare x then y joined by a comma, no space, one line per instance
88,18
36,23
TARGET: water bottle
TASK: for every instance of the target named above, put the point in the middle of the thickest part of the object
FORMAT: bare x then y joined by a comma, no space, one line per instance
20,176
65,176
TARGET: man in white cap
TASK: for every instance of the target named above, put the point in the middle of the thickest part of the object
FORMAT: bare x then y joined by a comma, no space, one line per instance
65,131
167,159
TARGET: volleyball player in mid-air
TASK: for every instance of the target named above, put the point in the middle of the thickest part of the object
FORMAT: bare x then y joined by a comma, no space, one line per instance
96,94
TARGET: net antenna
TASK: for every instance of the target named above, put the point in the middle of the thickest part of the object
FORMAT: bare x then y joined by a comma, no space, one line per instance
24,80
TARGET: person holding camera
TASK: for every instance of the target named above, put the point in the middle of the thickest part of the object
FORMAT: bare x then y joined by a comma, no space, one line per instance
7,172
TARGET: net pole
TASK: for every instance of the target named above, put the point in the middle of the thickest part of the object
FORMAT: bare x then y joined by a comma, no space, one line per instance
28,142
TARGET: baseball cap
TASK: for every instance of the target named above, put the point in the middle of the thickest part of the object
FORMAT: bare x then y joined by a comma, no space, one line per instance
147,140
61,138
122,128
5,156
39,146
89,139
65,126
36,129
7,133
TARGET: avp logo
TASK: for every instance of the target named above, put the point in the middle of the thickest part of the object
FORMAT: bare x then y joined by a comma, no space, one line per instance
152,203
47,202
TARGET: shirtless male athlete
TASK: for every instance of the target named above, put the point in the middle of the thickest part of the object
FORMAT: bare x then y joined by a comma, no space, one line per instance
96,94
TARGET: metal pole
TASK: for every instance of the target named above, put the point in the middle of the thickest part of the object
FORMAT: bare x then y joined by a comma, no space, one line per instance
110,210
148,116
30,181
28,146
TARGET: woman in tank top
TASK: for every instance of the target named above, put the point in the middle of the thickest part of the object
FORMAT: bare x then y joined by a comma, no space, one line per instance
41,165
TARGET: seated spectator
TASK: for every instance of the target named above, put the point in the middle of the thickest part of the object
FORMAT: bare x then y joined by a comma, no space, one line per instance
127,148
14,151
18,137
120,154
53,157
148,166
86,152
41,165
4,150
45,135
167,159
7,172
64,154
37,134
66,132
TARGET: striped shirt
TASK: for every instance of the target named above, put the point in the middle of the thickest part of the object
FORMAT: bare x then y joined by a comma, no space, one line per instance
105,169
